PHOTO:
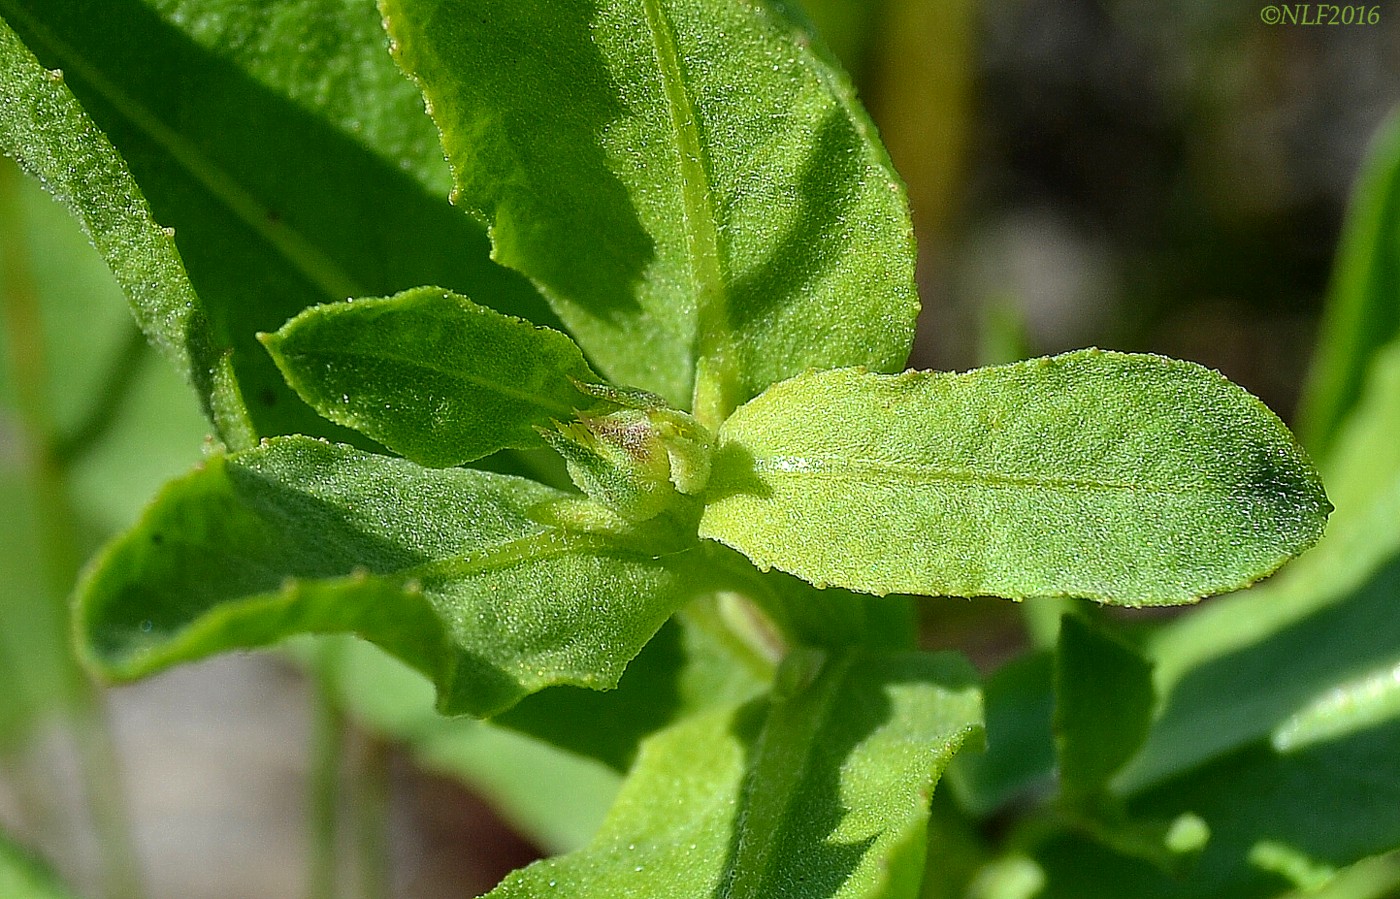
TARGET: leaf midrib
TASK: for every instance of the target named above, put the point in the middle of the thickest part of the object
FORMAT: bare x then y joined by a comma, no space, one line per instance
875,469
295,248
420,363
697,206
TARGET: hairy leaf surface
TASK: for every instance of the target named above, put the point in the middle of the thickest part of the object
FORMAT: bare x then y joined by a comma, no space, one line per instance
454,571
692,184
1133,480
292,160
821,791
430,374
44,128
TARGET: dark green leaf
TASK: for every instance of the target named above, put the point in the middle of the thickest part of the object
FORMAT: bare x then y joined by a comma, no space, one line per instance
1363,304
457,572
1270,815
1133,480
1019,757
1103,705
431,375
692,184
822,792
293,161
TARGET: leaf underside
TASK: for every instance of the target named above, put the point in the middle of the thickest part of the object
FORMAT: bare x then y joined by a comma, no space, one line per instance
451,570
1133,480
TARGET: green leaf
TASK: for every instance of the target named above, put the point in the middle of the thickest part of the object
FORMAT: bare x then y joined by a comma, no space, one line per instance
1103,705
1363,303
1325,623
1132,480
691,184
23,877
45,129
821,792
1322,807
430,374
457,572
330,185
697,661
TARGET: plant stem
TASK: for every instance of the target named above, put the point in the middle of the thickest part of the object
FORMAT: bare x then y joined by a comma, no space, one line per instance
327,748
60,537
372,801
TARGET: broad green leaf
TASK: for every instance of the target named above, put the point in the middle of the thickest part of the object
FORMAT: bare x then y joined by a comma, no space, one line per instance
44,128
1363,304
23,877
291,158
456,572
430,374
1132,480
1103,705
821,792
554,797
692,184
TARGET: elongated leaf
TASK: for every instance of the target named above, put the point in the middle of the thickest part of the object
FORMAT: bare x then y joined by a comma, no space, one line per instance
1132,480
1363,304
452,571
430,374
1326,622
1103,705
293,161
49,134
822,792
691,184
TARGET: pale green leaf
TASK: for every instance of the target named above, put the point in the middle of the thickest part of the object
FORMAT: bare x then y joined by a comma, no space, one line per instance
1133,480
291,158
457,572
1325,622
692,184
430,374
821,792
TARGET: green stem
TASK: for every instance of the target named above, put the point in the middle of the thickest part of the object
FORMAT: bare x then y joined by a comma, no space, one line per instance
60,539
327,749
372,799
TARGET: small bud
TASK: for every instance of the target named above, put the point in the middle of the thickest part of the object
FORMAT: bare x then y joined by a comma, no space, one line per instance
635,460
